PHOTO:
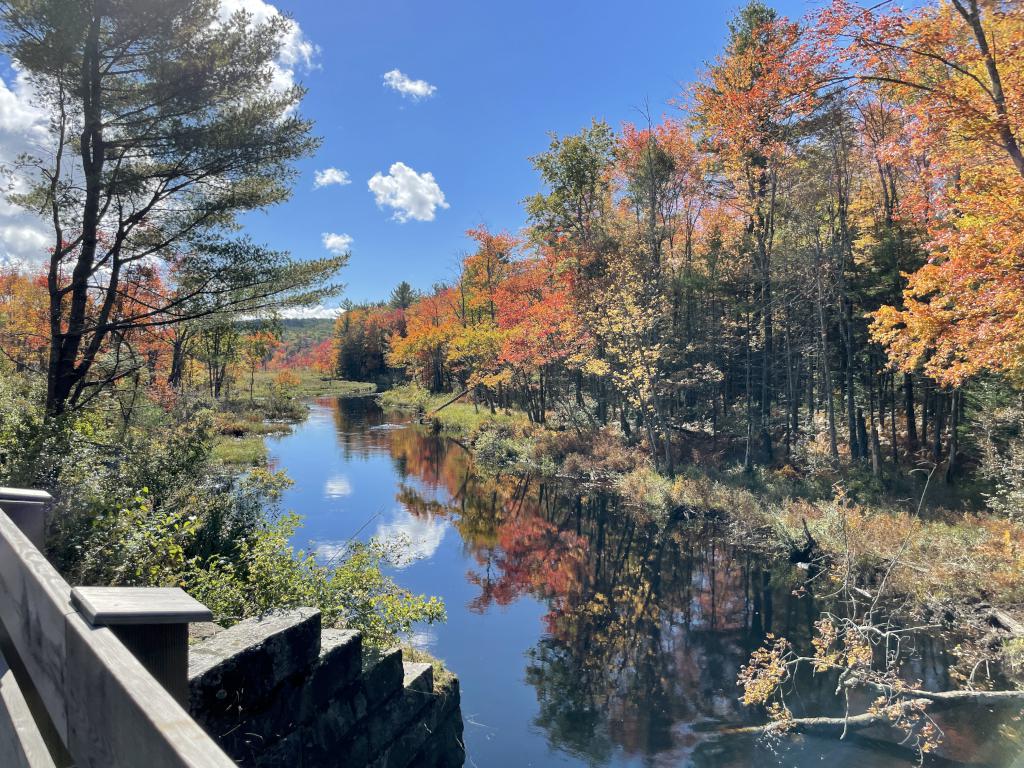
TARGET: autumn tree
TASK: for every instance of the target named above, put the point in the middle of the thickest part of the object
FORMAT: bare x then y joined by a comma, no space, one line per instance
164,127
431,325
750,106
962,94
23,319
256,348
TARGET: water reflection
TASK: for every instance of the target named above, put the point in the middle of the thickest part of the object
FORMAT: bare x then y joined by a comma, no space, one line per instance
641,631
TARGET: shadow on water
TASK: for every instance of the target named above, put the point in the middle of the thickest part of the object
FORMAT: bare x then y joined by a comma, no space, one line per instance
582,635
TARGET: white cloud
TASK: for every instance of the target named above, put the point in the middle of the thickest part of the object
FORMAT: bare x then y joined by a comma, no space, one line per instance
424,640
24,234
412,195
331,552
296,52
405,85
319,312
330,176
336,243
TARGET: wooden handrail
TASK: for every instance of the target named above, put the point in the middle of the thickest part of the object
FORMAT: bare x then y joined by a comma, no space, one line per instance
103,705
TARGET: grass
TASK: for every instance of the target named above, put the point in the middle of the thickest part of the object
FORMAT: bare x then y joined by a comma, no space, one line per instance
500,440
308,383
416,655
241,424
240,421
459,418
947,558
503,440
247,451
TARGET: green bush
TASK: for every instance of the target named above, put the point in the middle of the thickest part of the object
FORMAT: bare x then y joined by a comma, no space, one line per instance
269,573
145,501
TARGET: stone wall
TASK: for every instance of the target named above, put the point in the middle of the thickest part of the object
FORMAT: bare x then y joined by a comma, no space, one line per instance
282,691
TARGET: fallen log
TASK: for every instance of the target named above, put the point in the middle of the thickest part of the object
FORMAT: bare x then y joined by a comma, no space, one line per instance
447,403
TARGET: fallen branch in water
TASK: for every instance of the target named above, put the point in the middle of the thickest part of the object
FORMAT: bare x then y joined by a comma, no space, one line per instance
833,725
823,725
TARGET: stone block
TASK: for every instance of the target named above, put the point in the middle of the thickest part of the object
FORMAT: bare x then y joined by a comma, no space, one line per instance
405,749
234,672
339,665
406,713
301,700
317,743
382,674
418,676
446,748
279,692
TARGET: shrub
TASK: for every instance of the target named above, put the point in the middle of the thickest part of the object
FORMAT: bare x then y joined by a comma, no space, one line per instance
269,573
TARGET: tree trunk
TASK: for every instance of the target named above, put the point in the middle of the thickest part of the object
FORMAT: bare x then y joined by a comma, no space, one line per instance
954,442
64,372
908,406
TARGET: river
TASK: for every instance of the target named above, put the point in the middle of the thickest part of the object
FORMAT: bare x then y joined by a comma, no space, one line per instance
581,636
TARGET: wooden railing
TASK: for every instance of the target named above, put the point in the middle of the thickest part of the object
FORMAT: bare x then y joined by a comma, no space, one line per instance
71,691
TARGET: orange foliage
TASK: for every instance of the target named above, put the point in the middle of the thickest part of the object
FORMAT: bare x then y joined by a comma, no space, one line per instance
24,318
958,79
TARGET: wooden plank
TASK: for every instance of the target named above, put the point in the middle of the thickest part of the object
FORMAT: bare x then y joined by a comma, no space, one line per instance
21,743
34,600
28,509
24,494
119,715
108,606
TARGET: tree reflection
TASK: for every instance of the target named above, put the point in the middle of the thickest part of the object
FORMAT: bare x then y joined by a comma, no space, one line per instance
646,625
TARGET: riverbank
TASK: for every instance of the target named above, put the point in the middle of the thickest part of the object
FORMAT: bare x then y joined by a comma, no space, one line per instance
956,562
277,403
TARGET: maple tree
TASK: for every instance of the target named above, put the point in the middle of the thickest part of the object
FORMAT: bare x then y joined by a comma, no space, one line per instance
961,95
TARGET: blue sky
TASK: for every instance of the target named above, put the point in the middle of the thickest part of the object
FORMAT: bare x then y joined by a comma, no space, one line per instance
505,74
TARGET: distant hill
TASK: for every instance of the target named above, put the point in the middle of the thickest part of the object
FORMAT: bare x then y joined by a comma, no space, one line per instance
302,331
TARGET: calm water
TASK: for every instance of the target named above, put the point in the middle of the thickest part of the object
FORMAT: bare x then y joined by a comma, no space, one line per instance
581,638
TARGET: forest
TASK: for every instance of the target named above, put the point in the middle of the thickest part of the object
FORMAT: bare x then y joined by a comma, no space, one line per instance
818,252
789,308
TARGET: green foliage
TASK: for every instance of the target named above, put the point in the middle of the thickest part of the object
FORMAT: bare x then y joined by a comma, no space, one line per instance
281,401
574,169
247,451
1002,451
411,395
20,421
647,489
269,573
309,384
402,296
151,504
498,446
137,545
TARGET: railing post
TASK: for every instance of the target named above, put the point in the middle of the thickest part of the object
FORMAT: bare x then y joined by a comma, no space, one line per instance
28,509
152,623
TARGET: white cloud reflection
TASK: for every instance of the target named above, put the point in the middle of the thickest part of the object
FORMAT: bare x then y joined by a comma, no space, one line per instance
337,487
412,538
